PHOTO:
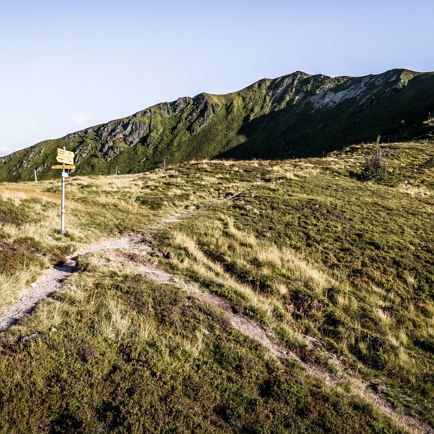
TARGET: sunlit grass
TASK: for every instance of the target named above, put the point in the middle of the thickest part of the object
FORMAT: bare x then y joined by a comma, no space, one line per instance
334,268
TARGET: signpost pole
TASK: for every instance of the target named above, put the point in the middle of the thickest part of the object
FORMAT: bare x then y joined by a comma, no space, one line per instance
67,159
62,204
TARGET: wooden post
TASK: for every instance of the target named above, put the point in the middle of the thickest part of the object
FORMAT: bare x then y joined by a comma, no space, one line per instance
36,175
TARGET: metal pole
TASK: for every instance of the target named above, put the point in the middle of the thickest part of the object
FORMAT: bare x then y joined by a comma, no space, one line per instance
62,204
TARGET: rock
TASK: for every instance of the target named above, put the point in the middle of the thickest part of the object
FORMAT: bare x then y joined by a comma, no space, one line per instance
88,354
377,386
232,196
201,115
29,338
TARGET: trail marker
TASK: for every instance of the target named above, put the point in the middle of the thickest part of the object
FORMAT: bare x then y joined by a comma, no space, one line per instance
63,166
67,158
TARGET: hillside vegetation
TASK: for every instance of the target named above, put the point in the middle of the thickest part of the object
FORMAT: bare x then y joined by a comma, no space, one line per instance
332,260
298,115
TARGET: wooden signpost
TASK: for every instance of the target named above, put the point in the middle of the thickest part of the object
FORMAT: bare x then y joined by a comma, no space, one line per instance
63,166
67,159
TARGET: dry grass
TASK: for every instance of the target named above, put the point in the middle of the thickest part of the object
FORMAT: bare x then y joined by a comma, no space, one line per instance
415,191
117,320
318,258
13,286
208,269
22,191
100,211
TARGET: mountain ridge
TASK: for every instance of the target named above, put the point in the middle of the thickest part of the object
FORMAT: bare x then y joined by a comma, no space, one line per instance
290,116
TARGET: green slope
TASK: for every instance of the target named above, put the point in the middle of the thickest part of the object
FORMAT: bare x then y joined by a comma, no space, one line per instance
337,270
294,115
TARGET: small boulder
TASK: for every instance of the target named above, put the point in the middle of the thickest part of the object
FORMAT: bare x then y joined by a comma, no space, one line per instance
29,338
88,354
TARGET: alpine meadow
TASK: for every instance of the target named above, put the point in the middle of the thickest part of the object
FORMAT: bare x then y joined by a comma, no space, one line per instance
260,261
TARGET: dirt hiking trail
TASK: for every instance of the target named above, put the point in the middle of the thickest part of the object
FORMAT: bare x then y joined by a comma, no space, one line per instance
52,279
134,251
257,333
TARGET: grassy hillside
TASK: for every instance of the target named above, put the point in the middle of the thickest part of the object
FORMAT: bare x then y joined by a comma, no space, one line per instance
335,263
292,116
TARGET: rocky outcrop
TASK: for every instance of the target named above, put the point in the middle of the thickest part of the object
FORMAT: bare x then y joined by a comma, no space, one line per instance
295,115
201,114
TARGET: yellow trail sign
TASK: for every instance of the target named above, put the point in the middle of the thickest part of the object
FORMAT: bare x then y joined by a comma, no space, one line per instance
63,166
65,157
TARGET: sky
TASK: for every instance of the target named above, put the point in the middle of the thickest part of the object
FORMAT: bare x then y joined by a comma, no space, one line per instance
69,64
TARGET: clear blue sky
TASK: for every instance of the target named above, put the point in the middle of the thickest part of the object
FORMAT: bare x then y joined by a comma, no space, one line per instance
68,64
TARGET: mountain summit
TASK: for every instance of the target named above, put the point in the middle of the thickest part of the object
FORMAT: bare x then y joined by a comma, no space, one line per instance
297,115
